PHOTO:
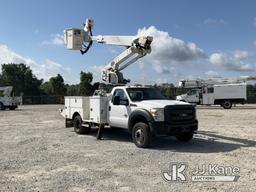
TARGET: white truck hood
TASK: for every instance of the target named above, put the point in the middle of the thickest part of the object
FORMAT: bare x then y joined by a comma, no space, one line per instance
148,104
181,97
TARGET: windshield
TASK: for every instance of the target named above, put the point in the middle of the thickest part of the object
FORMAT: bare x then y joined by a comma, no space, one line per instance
139,94
192,92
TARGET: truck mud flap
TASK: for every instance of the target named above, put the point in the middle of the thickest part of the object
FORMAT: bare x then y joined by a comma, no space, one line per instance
68,123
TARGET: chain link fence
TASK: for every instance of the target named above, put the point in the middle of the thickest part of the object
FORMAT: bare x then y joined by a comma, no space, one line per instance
170,93
43,99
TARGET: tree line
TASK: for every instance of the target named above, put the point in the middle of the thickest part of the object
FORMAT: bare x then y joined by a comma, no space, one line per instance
21,77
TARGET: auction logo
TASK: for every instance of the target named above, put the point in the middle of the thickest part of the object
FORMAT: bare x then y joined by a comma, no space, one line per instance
201,173
176,172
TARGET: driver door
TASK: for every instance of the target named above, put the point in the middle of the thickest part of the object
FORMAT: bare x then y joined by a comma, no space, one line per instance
119,114
193,96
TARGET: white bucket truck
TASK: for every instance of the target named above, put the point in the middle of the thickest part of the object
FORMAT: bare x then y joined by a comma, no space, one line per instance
143,111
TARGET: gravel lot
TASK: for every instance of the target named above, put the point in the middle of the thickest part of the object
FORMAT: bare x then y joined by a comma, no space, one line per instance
39,154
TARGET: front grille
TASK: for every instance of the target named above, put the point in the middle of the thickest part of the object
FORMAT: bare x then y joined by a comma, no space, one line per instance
179,114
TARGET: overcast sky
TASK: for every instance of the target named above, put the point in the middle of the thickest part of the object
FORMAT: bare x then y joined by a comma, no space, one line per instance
192,39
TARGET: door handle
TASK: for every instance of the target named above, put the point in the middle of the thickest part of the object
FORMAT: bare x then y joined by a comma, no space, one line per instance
125,115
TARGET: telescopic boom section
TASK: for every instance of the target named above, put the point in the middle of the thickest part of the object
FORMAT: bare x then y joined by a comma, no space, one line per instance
136,48
139,48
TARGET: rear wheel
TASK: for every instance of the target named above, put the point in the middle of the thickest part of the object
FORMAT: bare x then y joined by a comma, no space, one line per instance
141,135
185,137
78,128
227,104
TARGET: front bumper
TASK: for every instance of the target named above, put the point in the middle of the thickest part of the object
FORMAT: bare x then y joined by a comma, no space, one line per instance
163,128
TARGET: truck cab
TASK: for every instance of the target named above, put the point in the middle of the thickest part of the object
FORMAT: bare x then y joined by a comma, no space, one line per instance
192,96
7,100
144,111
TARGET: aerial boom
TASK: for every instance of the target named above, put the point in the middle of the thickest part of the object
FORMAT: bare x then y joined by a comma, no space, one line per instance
136,48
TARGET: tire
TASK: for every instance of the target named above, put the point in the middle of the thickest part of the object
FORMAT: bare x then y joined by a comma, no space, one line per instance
78,128
141,135
2,107
185,137
227,104
12,108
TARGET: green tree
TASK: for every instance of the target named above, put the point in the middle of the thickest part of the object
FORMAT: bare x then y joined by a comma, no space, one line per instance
85,87
21,78
57,85
72,90
47,88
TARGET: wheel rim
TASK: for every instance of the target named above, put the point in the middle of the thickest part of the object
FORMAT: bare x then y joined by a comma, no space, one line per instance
77,125
227,104
139,136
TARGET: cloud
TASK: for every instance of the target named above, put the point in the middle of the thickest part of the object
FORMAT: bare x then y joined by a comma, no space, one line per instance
56,39
239,55
231,62
9,56
212,74
210,21
167,50
45,70
96,71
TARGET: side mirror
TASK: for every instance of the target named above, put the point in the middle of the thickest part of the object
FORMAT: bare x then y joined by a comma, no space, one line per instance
116,100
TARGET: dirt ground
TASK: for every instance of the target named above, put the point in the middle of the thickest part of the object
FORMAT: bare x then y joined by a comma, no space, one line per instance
38,154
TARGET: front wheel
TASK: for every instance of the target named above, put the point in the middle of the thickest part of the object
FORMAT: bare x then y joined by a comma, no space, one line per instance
141,135
185,137
78,128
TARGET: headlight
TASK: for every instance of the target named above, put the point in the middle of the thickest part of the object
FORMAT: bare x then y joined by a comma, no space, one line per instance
178,98
157,114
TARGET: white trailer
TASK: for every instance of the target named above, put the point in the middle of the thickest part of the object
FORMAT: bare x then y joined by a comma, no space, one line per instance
223,94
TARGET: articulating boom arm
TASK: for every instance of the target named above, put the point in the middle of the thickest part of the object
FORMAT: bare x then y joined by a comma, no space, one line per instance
136,48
